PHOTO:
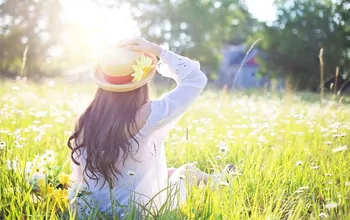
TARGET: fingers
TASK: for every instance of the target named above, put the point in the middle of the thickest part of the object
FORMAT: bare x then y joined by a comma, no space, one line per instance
131,41
136,48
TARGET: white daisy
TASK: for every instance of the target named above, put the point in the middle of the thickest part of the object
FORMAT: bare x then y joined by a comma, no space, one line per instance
223,147
304,188
339,149
223,183
331,205
299,163
2,145
323,215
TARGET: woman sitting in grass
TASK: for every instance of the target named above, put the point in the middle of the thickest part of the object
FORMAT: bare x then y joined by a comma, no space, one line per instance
118,142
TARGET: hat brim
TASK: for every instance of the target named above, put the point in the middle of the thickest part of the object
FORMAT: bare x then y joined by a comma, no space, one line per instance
101,82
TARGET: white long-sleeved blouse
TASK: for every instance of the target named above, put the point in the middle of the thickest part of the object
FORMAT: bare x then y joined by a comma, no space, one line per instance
145,175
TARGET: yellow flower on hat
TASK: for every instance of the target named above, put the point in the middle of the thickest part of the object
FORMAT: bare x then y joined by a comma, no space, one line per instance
142,68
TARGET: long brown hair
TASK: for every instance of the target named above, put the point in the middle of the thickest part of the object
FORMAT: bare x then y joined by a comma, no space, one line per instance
105,129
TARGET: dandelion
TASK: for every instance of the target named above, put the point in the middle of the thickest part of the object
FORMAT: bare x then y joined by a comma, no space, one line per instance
131,173
64,179
41,185
339,149
331,205
323,215
2,145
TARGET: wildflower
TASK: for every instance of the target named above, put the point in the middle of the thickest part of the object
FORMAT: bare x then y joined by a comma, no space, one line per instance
9,164
223,183
315,167
323,215
331,205
60,120
50,190
223,147
41,184
299,163
64,179
299,191
59,196
49,153
218,157
28,168
12,165
2,145
131,173
18,145
338,135
37,138
339,149
304,188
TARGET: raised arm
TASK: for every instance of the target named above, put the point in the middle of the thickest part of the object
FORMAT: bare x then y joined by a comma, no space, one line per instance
190,82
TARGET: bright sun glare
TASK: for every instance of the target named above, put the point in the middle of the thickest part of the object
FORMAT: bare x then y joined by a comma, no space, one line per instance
103,25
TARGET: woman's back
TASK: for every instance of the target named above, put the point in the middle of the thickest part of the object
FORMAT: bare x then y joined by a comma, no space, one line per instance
141,165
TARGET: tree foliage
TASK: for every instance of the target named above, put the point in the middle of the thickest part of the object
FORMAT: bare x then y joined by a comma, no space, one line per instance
197,29
292,43
34,24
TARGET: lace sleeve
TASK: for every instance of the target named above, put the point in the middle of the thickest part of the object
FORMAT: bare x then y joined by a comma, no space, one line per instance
175,66
190,83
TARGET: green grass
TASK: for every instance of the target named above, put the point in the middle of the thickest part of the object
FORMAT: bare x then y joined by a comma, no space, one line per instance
287,152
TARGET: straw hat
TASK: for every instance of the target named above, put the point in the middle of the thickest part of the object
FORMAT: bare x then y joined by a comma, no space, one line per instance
122,70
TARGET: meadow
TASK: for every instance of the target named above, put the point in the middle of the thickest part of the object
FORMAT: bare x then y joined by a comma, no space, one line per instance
292,155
